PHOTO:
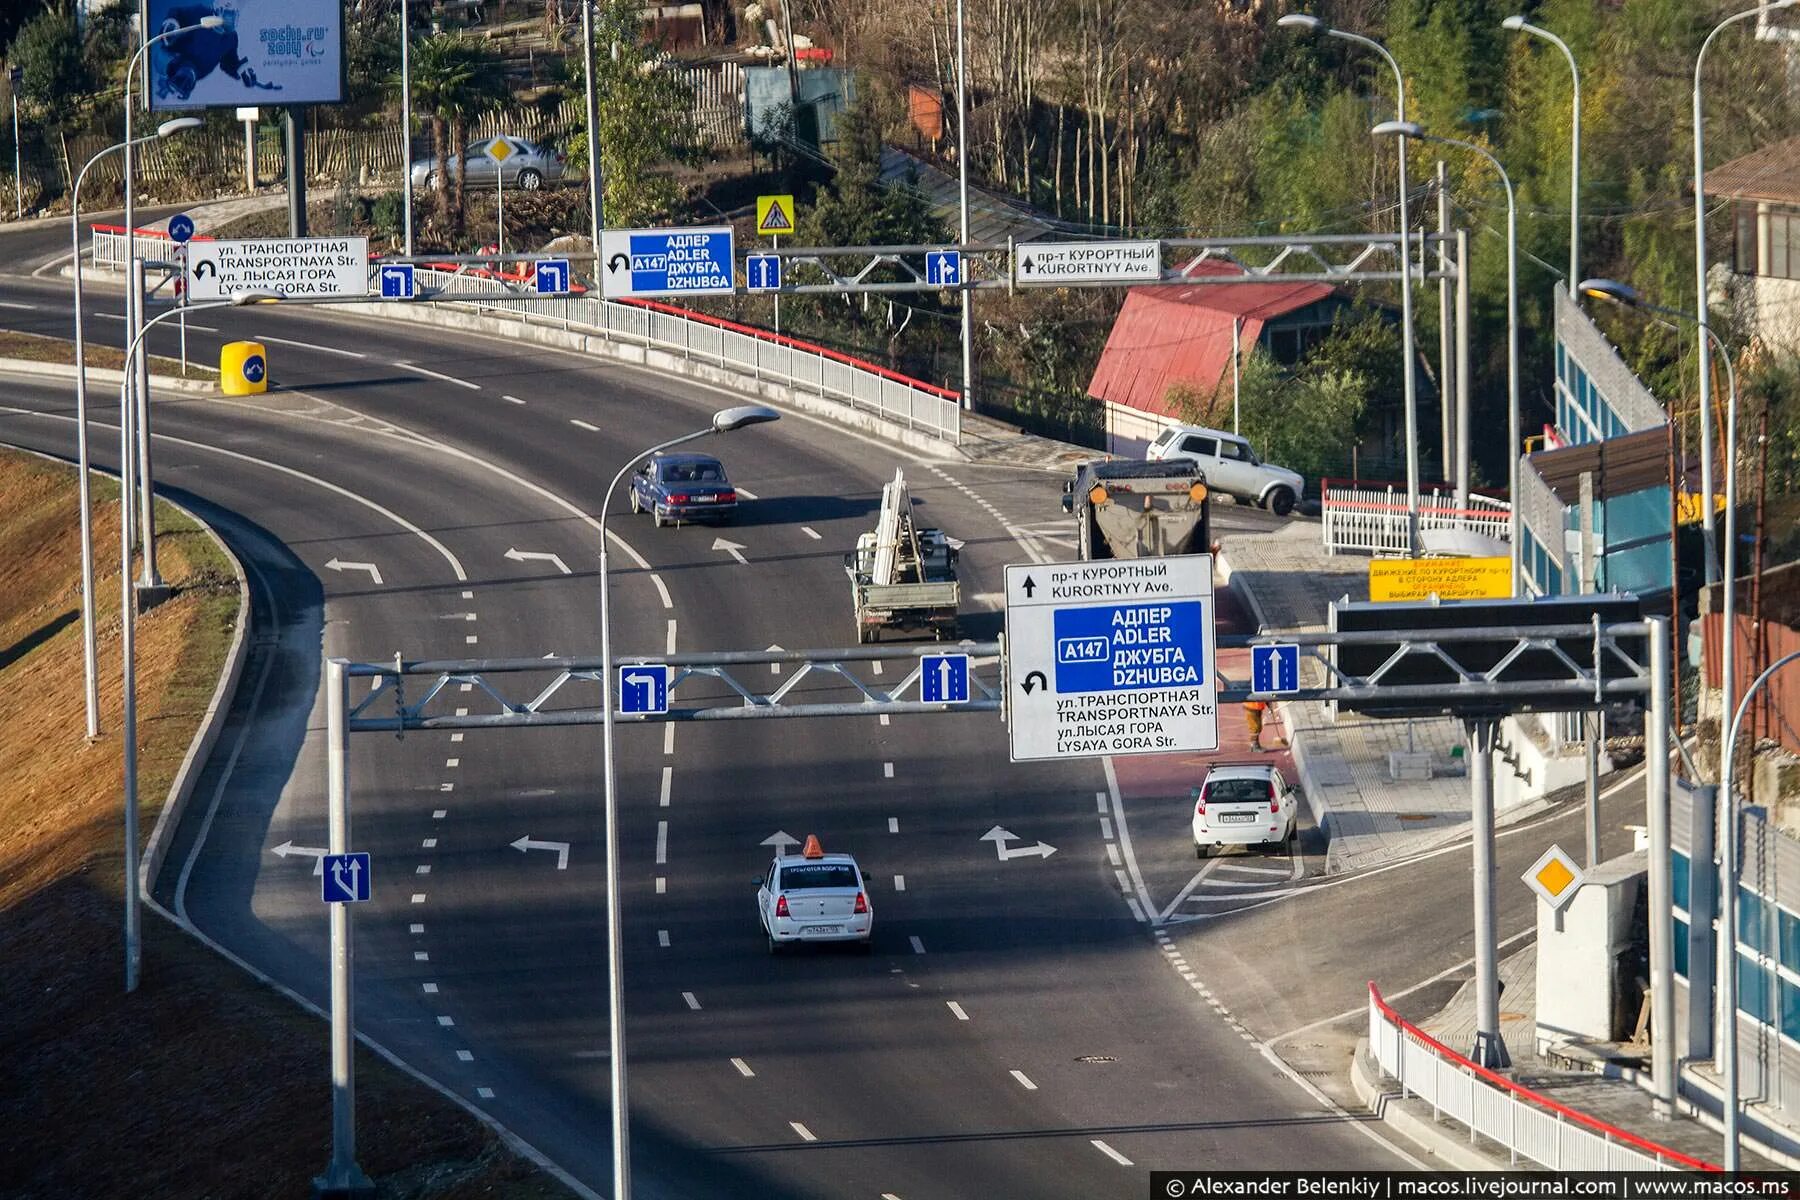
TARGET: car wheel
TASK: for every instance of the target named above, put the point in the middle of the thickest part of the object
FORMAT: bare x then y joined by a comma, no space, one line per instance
1199,850
867,946
1281,501
637,506
774,946
530,180
660,519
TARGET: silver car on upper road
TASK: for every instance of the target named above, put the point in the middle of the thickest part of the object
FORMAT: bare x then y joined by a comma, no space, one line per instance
523,164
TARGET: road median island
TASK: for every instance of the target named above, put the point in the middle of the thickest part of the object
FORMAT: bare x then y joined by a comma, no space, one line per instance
202,1082
25,351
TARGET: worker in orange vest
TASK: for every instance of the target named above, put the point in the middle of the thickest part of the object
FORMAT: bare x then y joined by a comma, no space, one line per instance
1253,718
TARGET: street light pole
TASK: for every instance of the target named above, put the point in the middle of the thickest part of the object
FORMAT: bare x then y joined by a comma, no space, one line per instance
1521,25
1408,369
1406,129
962,164
723,421
593,129
1701,305
406,125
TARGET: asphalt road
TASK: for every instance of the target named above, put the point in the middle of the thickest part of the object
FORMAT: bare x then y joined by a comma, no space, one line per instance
1017,1031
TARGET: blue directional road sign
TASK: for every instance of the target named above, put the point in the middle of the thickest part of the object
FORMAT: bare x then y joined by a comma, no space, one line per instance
763,272
346,878
254,368
694,261
1275,669
397,281
552,276
944,678
644,688
943,268
181,227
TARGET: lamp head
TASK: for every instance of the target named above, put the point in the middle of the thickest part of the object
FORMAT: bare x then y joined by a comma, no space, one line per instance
1405,129
211,22
1610,289
177,125
728,419
255,297
1304,23
1514,23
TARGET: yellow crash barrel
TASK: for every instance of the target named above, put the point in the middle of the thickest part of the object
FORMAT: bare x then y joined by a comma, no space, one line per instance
243,369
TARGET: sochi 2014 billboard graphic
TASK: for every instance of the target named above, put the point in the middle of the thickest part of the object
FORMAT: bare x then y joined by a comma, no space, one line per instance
262,52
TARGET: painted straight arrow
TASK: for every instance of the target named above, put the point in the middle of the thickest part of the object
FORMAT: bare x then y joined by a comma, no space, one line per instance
732,548
541,556
781,841
1000,837
526,843
338,564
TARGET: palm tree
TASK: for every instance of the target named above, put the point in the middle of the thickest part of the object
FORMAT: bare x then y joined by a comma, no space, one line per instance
455,80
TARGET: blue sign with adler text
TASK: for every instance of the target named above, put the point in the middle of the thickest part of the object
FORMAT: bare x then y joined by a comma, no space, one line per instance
667,262
1113,648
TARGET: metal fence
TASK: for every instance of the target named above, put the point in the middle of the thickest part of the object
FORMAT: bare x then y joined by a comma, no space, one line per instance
763,356
1372,517
1528,1124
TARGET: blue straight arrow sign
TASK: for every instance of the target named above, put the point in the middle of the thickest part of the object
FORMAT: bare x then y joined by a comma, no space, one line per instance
1275,669
944,678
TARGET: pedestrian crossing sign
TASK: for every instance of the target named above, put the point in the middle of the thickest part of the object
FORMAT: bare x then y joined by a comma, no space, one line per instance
774,214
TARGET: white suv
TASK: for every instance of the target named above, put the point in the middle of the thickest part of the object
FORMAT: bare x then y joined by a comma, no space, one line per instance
1230,466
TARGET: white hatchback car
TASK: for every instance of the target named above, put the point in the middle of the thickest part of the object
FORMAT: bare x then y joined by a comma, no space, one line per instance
1243,804
1230,466
814,897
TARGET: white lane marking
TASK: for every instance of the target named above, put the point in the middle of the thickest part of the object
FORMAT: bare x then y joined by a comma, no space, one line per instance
887,770
876,664
662,842
899,883
746,493
662,937
743,1068
893,824
1023,1081
438,814
452,763
16,304
465,1056
806,1135
1107,1150
512,399
485,1093
579,424
418,897
263,337
422,869
1253,870
468,595
106,316
957,1009
671,644
662,589
462,712
810,532
1137,911
1100,802
430,988
468,616
446,787
884,718
668,778
465,687
1124,883
421,956
447,1022
1106,828
426,371
472,639
416,928
662,885
693,1002
1131,865
669,738
1112,853
917,945
456,737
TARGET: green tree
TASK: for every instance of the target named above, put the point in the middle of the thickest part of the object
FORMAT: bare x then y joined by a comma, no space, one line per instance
646,120
455,81
55,81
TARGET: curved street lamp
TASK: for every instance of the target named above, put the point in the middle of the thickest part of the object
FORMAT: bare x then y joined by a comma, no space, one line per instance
726,420
1620,293
1410,129
90,671
1521,25
1313,25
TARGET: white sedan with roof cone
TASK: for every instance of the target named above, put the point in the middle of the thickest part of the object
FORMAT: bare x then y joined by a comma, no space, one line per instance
814,897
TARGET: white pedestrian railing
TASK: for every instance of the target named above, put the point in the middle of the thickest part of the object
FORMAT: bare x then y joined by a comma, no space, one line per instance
763,356
1373,518
1528,1124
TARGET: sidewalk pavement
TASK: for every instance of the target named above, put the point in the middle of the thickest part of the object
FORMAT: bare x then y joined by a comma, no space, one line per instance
1614,1098
1370,818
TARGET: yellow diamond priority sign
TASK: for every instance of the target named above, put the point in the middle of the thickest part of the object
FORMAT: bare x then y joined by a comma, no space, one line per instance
774,214
500,150
1555,877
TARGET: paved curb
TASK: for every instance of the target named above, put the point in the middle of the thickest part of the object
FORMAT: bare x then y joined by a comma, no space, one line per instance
1391,1108
28,366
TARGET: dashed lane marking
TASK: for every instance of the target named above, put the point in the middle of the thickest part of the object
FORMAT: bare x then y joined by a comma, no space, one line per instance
899,883
447,1022
918,947
662,590
743,1068
893,824
512,399
810,532
485,1093
263,337
887,770
806,1135
1107,1150
668,780
662,938
1024,1082
579,424
430,988
957,1010
465,1056
430,374
662,843
693,1001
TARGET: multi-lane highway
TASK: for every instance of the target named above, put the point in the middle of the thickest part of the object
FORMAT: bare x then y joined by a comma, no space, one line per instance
1017,1031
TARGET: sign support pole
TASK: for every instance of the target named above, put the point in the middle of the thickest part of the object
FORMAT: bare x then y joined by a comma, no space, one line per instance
148,578
342,1177
18,166
962,163
593,131
777,240
1490,1049
1662,903
296,170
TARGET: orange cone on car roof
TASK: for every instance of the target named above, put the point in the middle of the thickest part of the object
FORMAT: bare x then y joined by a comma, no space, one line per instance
812,848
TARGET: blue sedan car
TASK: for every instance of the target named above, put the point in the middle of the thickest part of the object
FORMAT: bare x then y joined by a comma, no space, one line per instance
683,487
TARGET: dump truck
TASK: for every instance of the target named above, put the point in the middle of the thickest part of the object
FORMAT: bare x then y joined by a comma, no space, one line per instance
902,576
1126,508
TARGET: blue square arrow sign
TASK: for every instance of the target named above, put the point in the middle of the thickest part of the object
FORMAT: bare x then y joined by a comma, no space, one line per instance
943,268
397,281
644,688
1275,669
944,678
552,276
345,879
762,272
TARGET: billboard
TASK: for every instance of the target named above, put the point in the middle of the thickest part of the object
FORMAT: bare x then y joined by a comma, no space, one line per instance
266,52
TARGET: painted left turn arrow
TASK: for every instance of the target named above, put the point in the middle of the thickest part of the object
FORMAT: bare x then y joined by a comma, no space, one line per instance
526,843
732,548
338,564
317,854
541,556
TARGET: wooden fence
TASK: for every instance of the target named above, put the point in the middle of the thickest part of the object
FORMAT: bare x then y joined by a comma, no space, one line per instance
1775,713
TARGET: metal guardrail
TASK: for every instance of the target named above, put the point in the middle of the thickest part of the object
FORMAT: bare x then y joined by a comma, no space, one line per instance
740,348
1374,518
1528,1124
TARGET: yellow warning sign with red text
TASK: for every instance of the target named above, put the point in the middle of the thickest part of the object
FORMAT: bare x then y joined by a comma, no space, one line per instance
1446,578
